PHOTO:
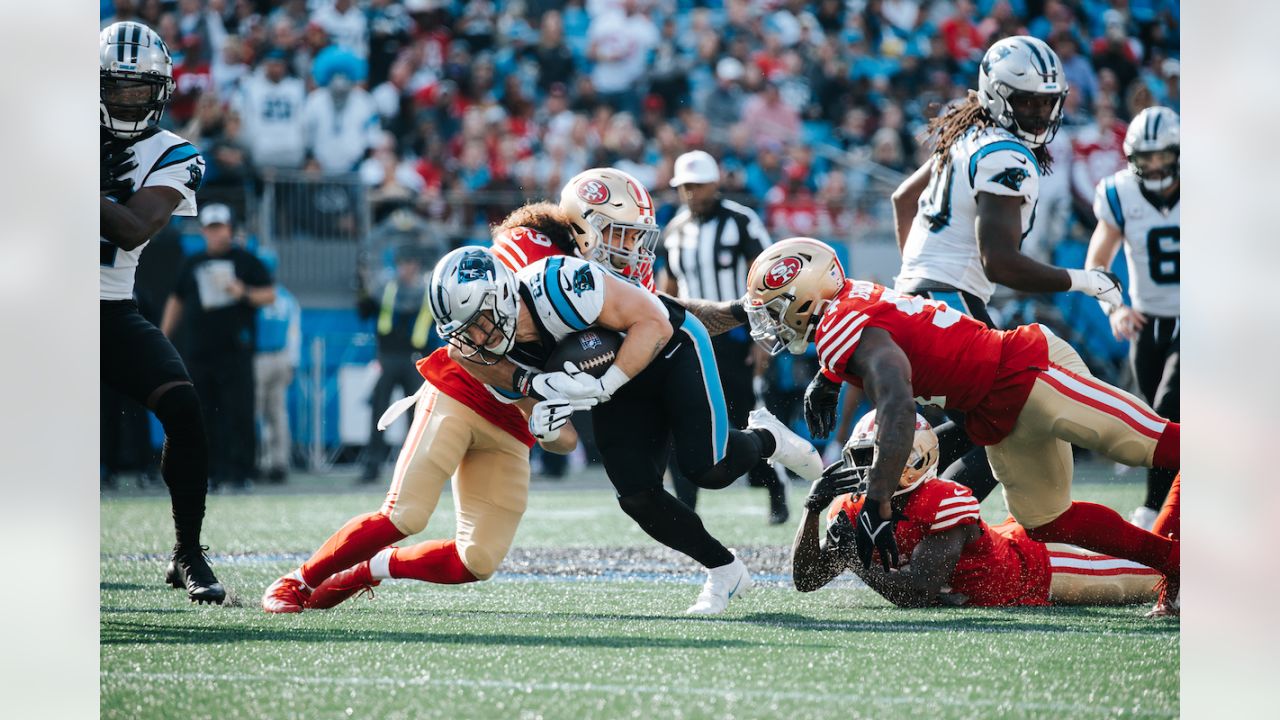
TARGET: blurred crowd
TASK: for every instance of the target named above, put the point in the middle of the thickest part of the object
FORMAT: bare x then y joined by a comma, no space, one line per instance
806,105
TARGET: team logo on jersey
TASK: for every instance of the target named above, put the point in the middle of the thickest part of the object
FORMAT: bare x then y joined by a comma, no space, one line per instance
782,272
197,176
1011,178
594,192
583,280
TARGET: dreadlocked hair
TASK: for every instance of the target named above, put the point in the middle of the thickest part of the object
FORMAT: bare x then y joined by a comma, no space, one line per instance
954,122
544,217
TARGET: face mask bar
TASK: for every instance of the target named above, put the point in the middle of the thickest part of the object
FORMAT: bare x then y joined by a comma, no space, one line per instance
1141,165
1055,118
496,343
612,248
766,329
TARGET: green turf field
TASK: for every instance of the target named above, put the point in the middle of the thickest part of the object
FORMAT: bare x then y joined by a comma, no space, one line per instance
589,623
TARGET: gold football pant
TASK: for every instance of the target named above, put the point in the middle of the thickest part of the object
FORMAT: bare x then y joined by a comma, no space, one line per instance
490,472
1081,577
1068,406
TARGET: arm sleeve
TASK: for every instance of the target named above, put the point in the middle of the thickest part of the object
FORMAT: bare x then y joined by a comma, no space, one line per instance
1009,169
940,505
182,168
1106,204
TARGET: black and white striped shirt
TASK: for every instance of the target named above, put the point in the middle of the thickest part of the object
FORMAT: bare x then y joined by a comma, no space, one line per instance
709,257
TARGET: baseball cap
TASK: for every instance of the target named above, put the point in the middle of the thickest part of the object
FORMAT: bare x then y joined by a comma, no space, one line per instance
695,167
729,69
215,214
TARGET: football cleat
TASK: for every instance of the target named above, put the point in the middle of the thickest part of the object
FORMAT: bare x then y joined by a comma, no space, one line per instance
1144,517
286,595
723,584
189,570
340,586
793,452
1169,601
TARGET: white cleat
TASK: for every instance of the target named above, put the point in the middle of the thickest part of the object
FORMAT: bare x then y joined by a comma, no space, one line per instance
723,584
794,452
1144,517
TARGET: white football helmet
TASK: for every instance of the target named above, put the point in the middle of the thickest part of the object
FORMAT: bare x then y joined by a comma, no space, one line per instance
612,221
788,286
1154,130
1017,65
922,464
135,78
464,285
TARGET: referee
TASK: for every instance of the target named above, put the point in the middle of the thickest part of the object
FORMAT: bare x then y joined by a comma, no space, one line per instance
708,247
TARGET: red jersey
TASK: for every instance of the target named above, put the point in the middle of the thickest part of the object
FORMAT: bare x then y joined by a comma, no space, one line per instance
956,362
1002,567
519,247
442,372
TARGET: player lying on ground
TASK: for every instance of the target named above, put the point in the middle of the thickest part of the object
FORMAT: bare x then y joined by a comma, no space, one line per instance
662,387
949,555
1027,396
459,429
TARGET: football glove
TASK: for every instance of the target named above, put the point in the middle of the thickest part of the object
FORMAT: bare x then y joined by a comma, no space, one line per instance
548,417
872,532
1098,282
821,400
115,164
601,388
836,480
554,386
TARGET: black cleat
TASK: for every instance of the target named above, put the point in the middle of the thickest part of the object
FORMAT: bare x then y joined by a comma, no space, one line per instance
189,570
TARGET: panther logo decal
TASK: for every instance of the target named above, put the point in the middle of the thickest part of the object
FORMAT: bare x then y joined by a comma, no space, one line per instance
474,267
1011,178
594,192
197,176
583,280
782,272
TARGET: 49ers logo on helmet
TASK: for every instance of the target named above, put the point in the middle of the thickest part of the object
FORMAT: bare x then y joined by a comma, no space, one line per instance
782,272
594,192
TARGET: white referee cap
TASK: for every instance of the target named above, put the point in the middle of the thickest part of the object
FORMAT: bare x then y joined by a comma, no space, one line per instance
695,167
215,214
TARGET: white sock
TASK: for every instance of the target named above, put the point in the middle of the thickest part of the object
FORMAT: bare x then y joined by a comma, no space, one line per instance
380,564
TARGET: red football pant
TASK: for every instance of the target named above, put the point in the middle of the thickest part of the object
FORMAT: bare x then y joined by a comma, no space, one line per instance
435,561
1167,522
360,539
1101,529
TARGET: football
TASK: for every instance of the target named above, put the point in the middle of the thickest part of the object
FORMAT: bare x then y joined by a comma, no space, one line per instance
592,350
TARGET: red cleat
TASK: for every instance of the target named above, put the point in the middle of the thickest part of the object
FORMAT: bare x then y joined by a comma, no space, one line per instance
286,595
341,586
1168,602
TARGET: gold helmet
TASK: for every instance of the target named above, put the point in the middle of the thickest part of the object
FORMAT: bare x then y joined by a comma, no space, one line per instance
611,217
922,464
789,285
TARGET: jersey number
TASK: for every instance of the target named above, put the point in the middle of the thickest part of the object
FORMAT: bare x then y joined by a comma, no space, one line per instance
943,315
277,109
1163,250
107,254
935,208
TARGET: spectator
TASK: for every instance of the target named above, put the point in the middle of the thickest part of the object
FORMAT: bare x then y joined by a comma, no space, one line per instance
1079,72
1116,51
217,295
769,119
341,123
961,35
192,78
619,43
278,352
1098,152
552,56
390,33
270,104
229,68
346,25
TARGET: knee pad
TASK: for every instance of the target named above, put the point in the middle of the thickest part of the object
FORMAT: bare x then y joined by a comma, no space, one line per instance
178,410
481,562
715,477
642,505
408,519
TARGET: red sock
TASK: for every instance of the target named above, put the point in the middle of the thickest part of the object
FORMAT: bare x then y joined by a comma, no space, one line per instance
434,561
1101,529
360,539
1167,522
1168,455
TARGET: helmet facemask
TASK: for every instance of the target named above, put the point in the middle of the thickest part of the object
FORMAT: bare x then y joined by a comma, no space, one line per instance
1156,169
922,464
622,246
769,330
482,339
1035,131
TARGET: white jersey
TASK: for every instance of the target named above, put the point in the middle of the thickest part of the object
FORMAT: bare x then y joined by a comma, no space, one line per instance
164,160
1151,242
942,245
273,120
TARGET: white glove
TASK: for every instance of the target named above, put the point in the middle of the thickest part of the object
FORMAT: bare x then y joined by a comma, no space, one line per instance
1097,282
564,386
602,388
548,417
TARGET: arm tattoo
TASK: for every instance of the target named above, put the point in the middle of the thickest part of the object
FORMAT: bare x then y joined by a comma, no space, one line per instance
718,317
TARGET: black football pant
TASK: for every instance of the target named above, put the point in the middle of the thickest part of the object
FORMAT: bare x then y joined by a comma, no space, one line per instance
1154,357
740,397
226,387
140,362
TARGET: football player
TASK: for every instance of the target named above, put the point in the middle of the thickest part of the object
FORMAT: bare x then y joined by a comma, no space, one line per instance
961,217
1138,207
147,176
662,385
1026,395
950,556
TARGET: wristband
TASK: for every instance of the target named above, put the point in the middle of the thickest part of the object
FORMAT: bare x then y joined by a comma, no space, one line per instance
521,379
613,379
1080,281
